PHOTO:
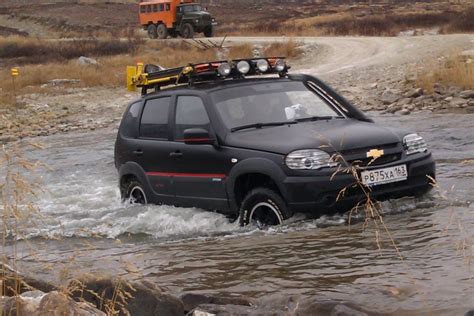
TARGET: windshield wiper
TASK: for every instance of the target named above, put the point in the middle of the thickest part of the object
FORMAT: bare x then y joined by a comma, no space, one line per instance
260,125
318,118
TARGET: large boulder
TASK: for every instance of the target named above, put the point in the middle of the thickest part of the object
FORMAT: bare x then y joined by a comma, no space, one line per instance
37,303
15,283
137,298
193,300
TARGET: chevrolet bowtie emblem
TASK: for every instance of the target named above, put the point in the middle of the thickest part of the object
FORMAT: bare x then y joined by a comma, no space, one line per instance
375,153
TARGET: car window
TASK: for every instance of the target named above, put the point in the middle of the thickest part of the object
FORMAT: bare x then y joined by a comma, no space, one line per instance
154,122
269,102
190,113
128,126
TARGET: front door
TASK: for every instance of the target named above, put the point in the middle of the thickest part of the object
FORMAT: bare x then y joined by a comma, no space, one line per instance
201,169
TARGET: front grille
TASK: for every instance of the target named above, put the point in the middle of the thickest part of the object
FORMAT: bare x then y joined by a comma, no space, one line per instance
358,156
379,161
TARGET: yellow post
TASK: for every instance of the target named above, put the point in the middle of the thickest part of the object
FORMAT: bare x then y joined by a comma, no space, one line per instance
15,73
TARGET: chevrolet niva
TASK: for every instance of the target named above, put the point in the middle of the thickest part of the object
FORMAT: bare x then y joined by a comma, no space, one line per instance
227,138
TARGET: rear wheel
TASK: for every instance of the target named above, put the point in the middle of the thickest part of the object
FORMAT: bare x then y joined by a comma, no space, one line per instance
209,31
263,207
162,31
135,193
152,31
187,30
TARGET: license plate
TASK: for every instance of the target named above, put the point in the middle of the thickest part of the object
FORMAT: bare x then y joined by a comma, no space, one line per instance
385,175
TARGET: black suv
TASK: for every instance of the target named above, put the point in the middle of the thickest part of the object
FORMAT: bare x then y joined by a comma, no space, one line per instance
260,148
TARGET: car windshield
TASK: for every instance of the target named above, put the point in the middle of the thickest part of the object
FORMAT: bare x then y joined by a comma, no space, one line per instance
191,8
264,103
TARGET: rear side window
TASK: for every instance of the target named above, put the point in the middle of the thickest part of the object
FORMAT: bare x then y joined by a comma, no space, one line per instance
167,7
142,9
190,113
154,123
128,128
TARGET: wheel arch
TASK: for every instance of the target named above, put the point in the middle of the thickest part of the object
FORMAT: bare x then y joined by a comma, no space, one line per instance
130,171
252,173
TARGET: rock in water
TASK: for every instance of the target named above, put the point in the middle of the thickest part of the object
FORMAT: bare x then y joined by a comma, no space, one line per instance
192,300
138,298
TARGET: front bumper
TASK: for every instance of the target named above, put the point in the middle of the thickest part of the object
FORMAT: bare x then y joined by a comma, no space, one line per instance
321,193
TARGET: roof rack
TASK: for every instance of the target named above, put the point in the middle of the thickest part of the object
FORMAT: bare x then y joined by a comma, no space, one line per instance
153,76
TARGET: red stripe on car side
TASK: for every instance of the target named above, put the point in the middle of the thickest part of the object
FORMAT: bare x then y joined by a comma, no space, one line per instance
195,175
194,140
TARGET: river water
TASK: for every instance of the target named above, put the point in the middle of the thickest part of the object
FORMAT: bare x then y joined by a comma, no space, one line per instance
86,229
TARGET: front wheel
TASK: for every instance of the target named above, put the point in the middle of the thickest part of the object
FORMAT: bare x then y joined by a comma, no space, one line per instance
263,207
135,193
187,31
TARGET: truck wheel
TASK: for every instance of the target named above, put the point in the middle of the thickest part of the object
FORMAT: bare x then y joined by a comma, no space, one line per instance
135,193
187,31
162,31
209,31
263,207
152,31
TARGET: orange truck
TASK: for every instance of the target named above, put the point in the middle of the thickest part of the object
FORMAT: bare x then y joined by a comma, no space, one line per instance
161,18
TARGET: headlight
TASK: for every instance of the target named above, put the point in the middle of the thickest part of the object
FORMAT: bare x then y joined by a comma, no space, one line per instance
309,159
414,143
197,20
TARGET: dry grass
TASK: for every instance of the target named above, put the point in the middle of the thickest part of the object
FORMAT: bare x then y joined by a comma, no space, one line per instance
451,71
240,51
288,49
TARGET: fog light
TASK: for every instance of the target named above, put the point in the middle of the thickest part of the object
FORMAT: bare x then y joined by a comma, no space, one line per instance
243,67
262,65
224,69
280,65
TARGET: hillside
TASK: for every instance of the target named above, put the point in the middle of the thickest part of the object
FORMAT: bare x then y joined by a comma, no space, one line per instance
55,18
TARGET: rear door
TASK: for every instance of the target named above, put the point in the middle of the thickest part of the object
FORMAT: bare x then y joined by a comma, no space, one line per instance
153,146
200,170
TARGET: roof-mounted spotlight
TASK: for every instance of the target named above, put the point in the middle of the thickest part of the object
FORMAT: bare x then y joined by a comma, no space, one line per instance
243,67
280,65
262,65
224,69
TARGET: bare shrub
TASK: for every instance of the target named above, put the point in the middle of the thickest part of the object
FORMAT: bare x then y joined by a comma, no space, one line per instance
288,49
463,22
451,71
29,51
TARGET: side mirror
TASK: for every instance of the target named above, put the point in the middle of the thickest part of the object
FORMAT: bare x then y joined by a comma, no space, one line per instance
194,136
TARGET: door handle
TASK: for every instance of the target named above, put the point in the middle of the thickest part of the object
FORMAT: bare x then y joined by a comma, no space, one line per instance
176,154
138,152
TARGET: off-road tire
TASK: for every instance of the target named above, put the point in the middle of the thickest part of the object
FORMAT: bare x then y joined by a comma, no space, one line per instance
262,200
187,30
134,189
209,31
152,31
162,31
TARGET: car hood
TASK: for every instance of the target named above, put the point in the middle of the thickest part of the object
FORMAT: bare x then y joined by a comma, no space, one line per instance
332,136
